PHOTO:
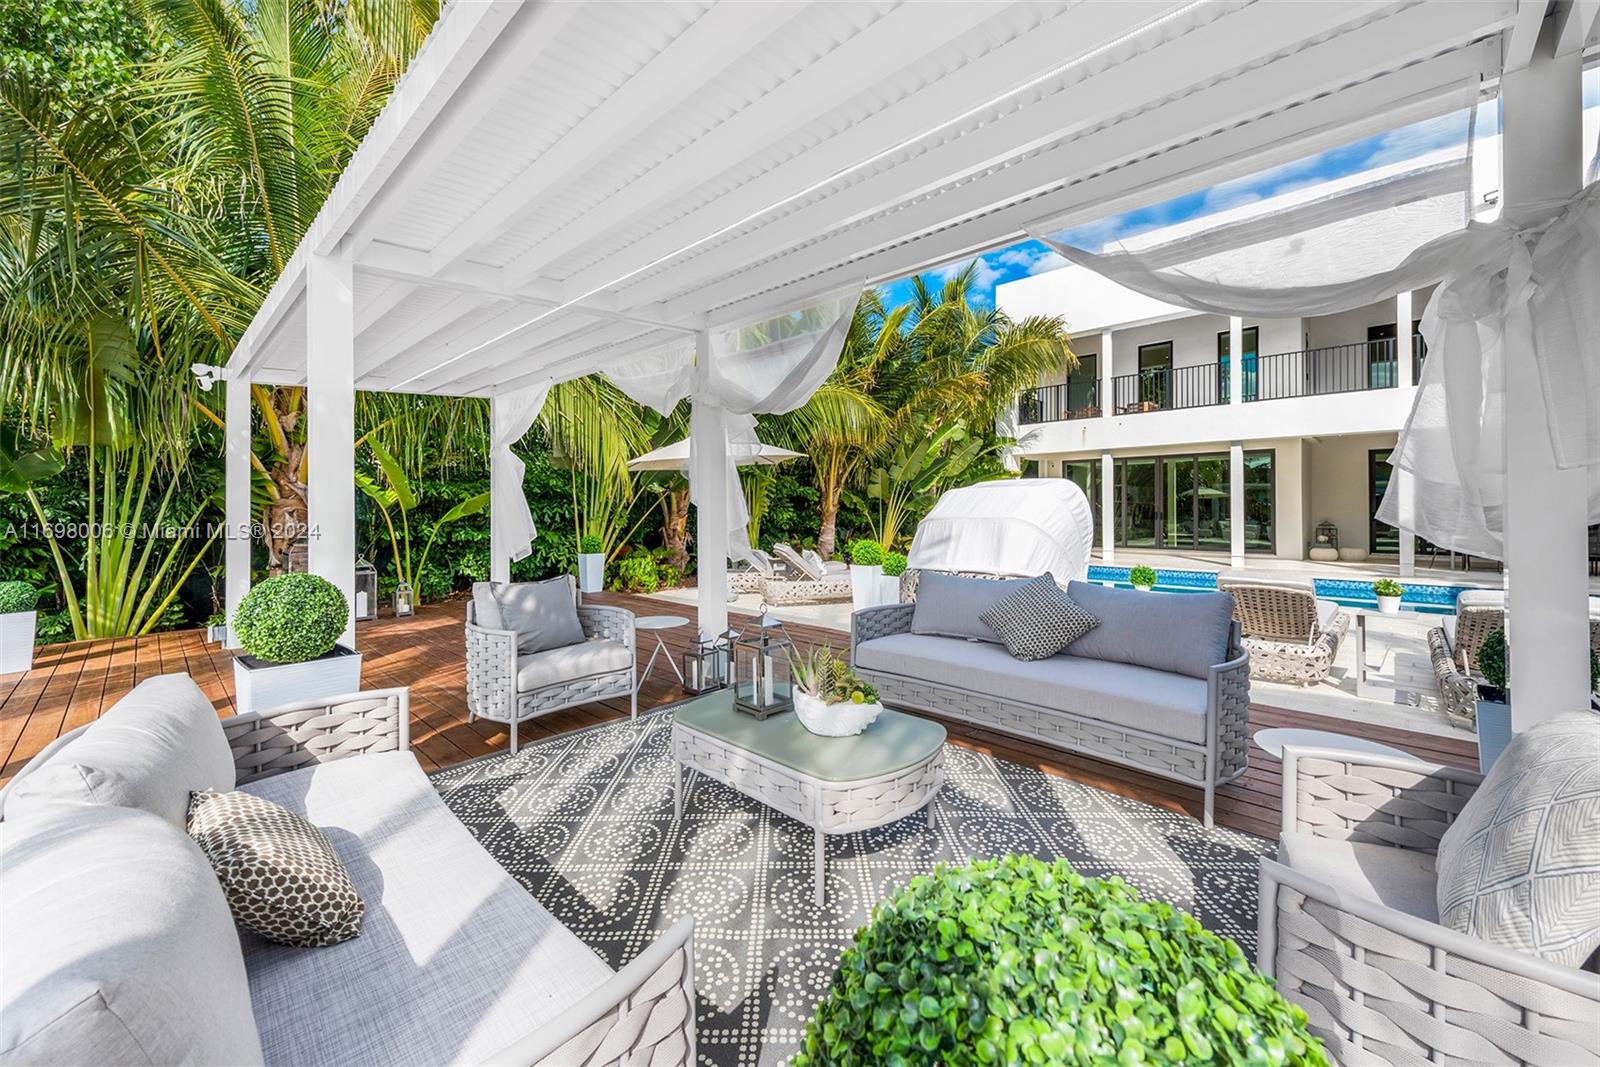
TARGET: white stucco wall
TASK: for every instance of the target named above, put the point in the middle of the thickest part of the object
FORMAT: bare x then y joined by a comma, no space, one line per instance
1338,484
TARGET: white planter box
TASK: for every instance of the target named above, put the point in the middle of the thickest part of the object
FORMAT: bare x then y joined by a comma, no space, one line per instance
217,634
591,571
843,719
1389,605
1494,731
864,585
889,591
259,686
16,641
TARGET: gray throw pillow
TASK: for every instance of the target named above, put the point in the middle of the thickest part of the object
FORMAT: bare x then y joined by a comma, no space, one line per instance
1520,866
1180,633
952,605
486,609
1038,620
543,614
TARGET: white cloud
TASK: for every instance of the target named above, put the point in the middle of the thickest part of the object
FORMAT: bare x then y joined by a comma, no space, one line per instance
1050,260
983,279
1017,257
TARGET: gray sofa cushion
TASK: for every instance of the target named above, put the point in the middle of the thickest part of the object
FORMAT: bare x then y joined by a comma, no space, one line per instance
455,959
1169,705
950,605
543,614
119,948
1520,866
486,609
1398,878
587,658
1185,633
154,747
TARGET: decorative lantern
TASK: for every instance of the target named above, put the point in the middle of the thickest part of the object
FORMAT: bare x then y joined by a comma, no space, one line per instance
366,591
705,663
761,671
1327,534
405,601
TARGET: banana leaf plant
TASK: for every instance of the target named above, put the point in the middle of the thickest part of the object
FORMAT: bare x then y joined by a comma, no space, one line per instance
915,472
396,494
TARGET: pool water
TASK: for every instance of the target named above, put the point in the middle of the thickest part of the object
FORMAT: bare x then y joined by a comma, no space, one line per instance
1425,598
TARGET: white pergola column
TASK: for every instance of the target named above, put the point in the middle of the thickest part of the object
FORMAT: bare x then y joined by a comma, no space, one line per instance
1108,504
1235,490
1404,340
499,552
237,517
1546,507
331,426
1235,361
1105,379
1408,537
708,427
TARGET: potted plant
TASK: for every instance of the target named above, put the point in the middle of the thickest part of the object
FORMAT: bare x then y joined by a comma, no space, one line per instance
894,566
828,697
217,627
289,628
1020,960
1142,577
866,573
591,563
18,622
1494,700
1388,591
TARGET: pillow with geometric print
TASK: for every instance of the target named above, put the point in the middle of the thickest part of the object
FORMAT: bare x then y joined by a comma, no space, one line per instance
1038,620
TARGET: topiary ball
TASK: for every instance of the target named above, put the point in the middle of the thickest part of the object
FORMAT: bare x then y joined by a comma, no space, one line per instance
865,553
1016,960
17,596
894,564
291,618
1492,659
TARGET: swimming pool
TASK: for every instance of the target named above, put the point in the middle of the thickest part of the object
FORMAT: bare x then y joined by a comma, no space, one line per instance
1430,599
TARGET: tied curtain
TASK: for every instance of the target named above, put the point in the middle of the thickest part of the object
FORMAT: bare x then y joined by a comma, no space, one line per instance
771,364
511,416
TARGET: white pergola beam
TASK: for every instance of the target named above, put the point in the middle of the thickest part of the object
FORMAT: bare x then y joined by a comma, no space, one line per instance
1524,33
419,362
539,357
237,511
331,426
402,334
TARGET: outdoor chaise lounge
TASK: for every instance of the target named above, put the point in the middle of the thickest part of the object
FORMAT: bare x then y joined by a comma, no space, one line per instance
505,684
1291,635
1161,683
809,579
1362,915
120,948
1453,646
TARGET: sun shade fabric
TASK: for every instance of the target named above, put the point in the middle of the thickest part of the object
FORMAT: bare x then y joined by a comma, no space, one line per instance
1025,526
511,417
768,365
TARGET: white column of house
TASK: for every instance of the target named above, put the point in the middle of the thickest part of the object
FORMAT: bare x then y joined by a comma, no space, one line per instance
1235,361
331,426
1108,504
1403,347
1236,498
237,515
1106,360
1546,507
499,551
709,429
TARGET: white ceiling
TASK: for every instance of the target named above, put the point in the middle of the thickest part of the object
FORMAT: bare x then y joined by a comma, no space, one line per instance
554,185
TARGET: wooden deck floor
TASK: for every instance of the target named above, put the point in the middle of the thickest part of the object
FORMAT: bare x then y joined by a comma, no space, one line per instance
71,684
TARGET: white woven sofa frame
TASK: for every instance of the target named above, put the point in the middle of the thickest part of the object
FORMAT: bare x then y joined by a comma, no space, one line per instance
492,692
1221,758
1385,987
644,1014
1286,639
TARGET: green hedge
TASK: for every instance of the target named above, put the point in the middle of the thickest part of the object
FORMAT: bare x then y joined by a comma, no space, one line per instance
17,596
1016,961
291,618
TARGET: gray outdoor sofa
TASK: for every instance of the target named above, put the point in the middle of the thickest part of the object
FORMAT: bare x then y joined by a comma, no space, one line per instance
120,949
1162,684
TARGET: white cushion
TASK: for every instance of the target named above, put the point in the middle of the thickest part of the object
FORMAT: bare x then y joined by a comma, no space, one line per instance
1402,879
1327,614
1520,866
485,608
154,747
455,959
118,945
558,665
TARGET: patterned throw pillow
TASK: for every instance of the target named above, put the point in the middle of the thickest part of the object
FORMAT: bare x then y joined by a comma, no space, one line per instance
1038,620
280,874
1520,866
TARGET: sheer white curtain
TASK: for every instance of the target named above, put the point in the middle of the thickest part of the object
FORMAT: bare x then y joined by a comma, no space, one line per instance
511,416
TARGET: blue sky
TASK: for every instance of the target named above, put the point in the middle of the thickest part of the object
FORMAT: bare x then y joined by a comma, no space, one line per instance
1032,257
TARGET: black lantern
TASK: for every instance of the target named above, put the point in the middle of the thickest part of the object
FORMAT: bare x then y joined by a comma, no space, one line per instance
1327,535
761,671
366,591
705,663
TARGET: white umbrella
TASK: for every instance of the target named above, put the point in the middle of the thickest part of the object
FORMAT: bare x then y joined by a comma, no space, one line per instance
675,457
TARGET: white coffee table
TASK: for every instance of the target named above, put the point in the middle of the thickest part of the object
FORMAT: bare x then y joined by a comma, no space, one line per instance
1275,740
655,624
1366,684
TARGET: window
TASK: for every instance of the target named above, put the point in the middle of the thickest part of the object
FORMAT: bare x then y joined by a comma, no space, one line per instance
1381,366
1083,384
1183,501
1155,375
1247,370
1086,473
1383,539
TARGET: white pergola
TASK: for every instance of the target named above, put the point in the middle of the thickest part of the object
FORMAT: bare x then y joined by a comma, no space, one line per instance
554,188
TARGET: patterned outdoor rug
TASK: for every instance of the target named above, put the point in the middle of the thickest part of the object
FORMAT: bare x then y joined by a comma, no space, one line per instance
584,821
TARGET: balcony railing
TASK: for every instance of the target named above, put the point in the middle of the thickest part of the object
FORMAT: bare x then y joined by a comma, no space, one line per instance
1058,403
1168,389
1322,371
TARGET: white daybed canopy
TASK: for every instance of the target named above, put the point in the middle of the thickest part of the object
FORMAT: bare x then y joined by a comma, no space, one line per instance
1012,526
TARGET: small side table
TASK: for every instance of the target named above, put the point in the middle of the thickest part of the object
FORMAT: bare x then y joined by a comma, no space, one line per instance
1275,740
1366,686
655,624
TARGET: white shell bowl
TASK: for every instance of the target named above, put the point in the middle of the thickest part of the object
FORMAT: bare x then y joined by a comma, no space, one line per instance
843,719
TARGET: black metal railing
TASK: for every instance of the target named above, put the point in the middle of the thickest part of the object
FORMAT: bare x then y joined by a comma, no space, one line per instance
1058,403
1167,389
1320,371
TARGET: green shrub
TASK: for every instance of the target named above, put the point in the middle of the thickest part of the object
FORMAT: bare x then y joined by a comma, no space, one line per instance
17,596
1142,575
590,544
1492,659
865,553
291,618
638,573
1387,587
1016,961
894,564
668,576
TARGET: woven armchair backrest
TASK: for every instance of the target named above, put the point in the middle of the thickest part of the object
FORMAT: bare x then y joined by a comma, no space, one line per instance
1272,611
1473,624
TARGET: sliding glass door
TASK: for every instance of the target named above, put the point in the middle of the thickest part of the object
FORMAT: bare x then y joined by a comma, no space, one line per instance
1182,501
